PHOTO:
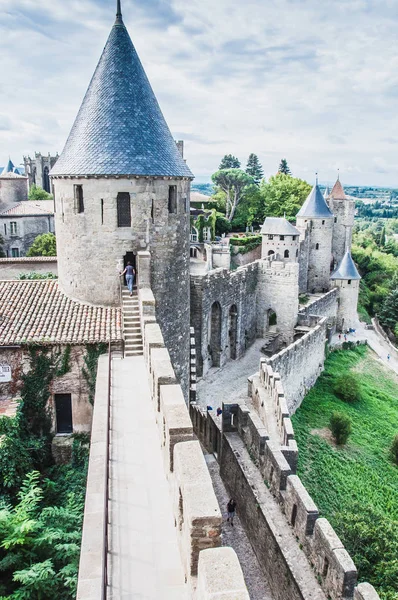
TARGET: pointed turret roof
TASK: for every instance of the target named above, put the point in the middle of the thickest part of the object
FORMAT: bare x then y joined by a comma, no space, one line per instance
338,191
315,206
9,168
326,193
346,269
278,226
120,129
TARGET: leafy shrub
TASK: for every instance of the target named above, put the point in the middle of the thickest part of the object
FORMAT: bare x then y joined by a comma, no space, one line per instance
347,388
394,450
340,426
34,275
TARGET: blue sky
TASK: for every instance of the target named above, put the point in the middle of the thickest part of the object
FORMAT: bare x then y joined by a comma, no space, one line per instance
315,82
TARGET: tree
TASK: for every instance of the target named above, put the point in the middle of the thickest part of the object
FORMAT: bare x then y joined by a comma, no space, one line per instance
234,183
394,450
37,193
254,168
44,245
284,167
229,162
283,195
382,240
389,311
340,426
347,388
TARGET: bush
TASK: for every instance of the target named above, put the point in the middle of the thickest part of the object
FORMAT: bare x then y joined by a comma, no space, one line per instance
394,450
340,426
347,388
43,245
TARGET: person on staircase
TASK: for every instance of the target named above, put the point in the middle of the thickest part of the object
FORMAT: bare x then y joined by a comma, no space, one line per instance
130,274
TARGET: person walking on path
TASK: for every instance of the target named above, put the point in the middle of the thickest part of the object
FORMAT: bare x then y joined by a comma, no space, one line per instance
130,273
231,507
388,357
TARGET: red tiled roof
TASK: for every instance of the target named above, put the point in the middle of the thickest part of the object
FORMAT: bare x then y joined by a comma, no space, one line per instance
338,191
30,208
37,311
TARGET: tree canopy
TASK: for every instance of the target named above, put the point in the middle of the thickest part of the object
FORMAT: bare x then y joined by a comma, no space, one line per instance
254,168
234,183
44,245
229,162
37,193
284,167
284,195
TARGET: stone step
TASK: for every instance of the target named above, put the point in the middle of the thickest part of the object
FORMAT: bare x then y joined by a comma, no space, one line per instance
134,353
133,337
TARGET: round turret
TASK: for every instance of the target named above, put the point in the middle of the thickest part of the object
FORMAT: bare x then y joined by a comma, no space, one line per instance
316,219
346,279
343,210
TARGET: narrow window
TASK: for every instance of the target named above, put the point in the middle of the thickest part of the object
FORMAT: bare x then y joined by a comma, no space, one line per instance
335,219
123,210
296,252
63,412
294,515
102,211
172,198
323,222
349,281
286,253
294,238
316,246
79,203
270,237
15,252
186,204
325,567
13,228
281,237
5,228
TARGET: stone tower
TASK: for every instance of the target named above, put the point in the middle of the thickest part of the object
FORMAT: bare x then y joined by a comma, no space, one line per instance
13,186
121,186
316,219
343,210
38,169
346,279
280,240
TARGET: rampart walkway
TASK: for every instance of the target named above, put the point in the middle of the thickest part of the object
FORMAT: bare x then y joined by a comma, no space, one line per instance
144,554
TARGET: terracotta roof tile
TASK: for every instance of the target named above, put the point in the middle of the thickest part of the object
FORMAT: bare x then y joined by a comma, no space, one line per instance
338,191
30,208
37,311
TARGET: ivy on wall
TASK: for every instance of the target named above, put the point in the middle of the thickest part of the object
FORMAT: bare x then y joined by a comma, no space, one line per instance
93,352
203,220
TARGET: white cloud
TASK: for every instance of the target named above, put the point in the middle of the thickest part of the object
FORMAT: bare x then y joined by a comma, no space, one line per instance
314,82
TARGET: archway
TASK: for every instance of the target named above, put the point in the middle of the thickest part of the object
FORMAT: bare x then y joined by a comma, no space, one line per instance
286,254
270,252
130,257
46,180
215,334
233,331
272,320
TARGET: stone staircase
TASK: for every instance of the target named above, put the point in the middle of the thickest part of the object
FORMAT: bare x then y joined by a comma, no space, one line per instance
132,327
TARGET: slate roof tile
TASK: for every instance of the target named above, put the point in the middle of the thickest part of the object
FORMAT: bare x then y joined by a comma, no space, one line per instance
315,205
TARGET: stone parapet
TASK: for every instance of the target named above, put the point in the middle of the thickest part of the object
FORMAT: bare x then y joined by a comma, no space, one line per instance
220,576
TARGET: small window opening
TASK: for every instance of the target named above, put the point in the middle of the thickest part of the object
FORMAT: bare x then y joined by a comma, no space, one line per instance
316,246
5,228
294,515
282,237
270,237
63,412
123,210
271,474
286,253
323,222
79,198
349,281
13,228
152,210
325,567
102,211
15,252
335,219
172,198
296,253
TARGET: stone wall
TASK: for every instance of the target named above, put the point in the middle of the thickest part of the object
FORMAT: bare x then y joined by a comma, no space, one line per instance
239,259
300,364
344,214
13,189
72,383
324,305
320,251
28,228
229,289
11,268
220,576
348,292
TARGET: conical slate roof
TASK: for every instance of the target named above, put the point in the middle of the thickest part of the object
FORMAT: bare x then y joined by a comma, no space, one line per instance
120,129
315,206
326,193
338,191
9,168
346,269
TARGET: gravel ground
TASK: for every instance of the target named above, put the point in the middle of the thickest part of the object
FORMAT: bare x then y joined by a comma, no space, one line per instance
236,538
229,384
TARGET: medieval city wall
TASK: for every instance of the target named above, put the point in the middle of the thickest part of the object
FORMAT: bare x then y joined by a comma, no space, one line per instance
348,292
300,364
229,289
239,259
324,305
11,268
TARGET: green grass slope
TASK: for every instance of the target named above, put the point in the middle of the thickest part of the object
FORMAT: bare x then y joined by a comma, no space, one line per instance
355,486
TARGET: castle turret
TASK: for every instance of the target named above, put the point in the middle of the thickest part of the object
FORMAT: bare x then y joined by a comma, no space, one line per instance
121,186
346,279
13,185
343,210
280,240
316,219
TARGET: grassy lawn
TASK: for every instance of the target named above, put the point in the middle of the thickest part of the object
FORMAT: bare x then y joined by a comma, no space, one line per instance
356,486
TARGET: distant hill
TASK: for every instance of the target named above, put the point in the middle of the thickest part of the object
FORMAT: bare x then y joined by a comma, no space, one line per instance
203,188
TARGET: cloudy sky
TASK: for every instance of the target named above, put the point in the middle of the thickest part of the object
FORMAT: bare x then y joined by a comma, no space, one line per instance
315,81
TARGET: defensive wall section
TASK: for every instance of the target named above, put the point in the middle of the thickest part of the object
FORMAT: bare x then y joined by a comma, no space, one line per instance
11,268
324,305
300,364
300,552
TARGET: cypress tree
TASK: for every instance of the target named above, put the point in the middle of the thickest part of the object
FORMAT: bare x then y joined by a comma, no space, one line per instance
284,167
229,162
254,168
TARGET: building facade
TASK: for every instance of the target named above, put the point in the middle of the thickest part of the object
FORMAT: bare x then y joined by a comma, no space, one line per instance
22,223
38,169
